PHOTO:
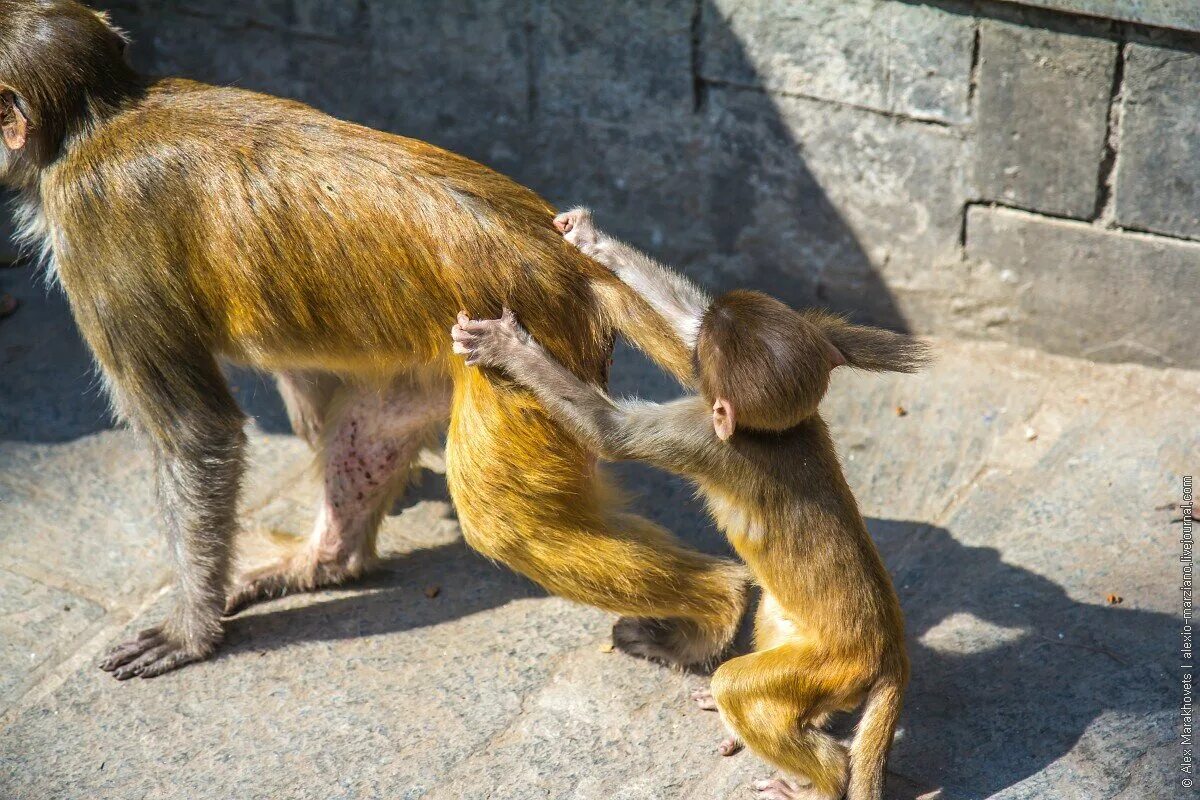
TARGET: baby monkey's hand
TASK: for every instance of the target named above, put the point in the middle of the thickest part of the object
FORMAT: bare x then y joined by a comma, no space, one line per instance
489,342
577,227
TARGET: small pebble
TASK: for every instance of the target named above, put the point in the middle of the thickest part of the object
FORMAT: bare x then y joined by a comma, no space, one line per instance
432,591
1030,434
1115,599
901,411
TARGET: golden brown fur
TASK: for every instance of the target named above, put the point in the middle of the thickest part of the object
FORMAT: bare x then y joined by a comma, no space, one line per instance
188,222
830,633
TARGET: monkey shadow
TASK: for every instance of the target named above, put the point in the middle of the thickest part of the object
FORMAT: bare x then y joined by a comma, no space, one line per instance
393,598
1008,671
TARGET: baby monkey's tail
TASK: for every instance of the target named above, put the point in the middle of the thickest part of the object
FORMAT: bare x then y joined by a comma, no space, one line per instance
873,739
876,349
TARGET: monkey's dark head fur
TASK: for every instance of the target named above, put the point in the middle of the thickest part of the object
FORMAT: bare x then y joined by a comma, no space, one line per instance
773,363
63,67
763,357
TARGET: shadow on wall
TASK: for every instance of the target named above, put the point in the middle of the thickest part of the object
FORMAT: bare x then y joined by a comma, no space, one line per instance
603,106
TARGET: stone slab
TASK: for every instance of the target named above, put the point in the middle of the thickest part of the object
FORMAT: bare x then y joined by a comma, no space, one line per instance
1003,547
36,622
275,13
901,58
1183,15
1042,109
1127,296
614,61
828,205
1156,184
458,78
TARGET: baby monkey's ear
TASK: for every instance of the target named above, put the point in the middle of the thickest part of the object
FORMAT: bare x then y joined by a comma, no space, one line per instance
836,359
724,418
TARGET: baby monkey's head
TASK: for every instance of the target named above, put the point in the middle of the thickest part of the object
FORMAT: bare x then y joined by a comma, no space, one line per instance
760,363
765,366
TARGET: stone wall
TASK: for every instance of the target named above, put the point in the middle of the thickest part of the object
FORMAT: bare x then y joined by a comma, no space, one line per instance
1026,171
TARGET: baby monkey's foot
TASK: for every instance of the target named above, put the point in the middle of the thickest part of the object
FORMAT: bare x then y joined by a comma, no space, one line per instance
783,789
577,228
729,746
704,698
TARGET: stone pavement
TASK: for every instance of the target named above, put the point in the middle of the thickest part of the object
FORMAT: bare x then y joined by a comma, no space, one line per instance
1010,492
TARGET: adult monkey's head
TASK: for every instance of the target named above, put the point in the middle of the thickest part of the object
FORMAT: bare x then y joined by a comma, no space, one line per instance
62,71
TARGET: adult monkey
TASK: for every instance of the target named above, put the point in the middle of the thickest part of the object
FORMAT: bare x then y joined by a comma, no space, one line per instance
188,222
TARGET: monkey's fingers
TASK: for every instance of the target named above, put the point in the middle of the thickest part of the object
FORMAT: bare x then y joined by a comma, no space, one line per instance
563,222
464,342
139,665
479,325
776,789
125,652
730,746
170,660
152,652
463,317
705,699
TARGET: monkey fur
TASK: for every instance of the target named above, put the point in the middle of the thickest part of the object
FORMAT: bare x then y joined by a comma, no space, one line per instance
829,635
188,223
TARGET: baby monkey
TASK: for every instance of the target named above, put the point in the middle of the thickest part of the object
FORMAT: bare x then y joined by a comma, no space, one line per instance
829,634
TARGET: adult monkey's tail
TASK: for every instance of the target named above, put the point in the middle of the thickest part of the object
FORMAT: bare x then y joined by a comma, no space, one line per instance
629,314
873,739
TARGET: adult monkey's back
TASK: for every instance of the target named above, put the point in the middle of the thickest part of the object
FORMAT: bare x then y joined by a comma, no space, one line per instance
187,222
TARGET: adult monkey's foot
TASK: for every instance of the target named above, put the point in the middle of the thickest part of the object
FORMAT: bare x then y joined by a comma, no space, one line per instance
162,648
298,567
677,642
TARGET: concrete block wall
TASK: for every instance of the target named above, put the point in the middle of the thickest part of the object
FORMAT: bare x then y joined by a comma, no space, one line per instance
1026,171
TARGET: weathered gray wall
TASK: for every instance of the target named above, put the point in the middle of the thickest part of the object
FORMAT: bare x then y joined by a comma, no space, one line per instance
962,168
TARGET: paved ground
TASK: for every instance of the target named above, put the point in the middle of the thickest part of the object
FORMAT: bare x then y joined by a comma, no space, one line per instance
1015,494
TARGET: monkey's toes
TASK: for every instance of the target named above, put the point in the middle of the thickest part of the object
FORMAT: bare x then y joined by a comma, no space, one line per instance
152,652
730,746
780,789
563,222
705,699
252,591
672,641
643,637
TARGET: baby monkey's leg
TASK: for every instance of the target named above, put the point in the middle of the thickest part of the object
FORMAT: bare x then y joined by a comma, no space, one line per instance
374,440
307,397
730,745
772,701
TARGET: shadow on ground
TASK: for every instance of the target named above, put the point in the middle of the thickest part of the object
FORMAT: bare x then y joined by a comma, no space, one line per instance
984,635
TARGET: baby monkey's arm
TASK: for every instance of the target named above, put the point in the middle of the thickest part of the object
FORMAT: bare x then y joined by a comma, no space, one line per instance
673,436
674,297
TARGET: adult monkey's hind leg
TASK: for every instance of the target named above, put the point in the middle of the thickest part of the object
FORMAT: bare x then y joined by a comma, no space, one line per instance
307,396
528,495
373,438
